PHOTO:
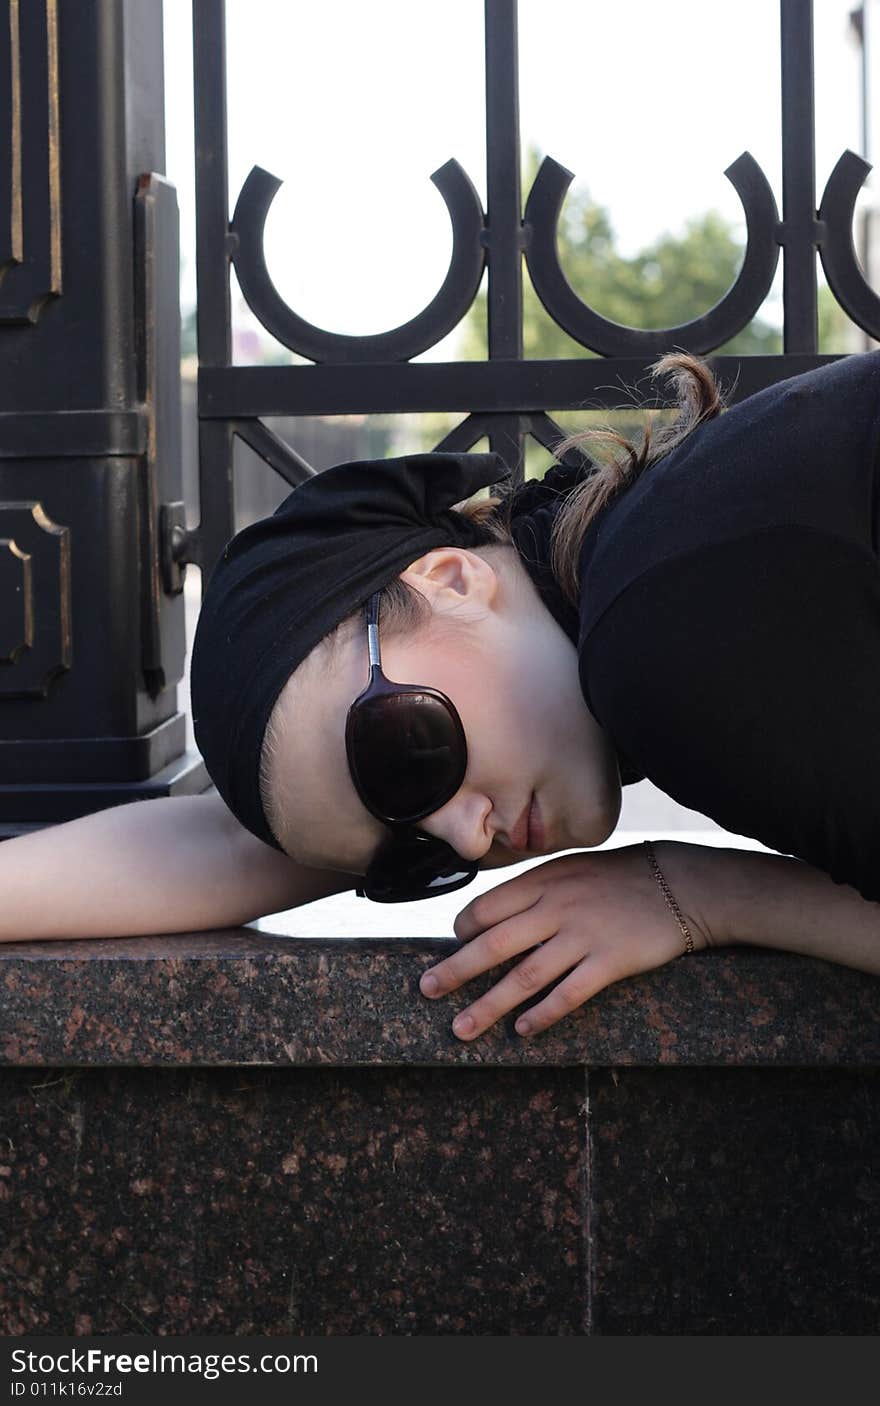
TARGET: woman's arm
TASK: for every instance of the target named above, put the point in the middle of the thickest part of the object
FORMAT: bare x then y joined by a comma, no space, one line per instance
771,900
176,864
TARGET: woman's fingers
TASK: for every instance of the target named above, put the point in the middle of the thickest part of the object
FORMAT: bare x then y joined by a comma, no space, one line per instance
530,975
588,978
498,944
496,905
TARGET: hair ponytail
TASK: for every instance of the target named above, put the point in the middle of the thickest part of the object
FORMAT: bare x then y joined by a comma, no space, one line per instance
699,399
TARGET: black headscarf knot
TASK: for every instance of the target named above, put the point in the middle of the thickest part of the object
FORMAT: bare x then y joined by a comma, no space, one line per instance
533,508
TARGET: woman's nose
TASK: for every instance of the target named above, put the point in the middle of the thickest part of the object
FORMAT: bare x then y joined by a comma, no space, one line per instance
464,824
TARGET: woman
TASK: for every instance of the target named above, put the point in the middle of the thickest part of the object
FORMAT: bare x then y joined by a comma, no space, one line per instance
705,612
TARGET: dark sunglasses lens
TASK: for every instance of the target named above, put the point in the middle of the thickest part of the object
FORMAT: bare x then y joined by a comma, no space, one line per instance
407,754
412,867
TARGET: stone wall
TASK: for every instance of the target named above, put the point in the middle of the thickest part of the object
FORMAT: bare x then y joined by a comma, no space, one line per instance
233,1132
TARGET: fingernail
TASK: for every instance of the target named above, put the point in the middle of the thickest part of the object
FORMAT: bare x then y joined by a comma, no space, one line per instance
523,1026
463,1024
429,984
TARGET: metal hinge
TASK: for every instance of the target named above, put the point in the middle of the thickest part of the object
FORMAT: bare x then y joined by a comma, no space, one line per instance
174,545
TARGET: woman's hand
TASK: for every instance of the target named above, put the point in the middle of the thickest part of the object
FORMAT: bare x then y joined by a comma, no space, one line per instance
584,921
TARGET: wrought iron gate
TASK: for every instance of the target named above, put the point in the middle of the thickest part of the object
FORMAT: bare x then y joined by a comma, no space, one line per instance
504,398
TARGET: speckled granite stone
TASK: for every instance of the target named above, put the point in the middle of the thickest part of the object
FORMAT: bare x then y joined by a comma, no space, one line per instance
243,997
311,1202
451,1201
735,1201
297,1193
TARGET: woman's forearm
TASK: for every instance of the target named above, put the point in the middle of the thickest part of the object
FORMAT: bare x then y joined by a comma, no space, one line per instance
771,900
175,864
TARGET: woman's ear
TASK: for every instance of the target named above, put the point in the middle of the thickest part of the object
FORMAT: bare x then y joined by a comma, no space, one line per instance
452,578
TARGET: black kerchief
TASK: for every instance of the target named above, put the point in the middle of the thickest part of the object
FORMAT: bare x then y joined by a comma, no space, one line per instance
285,582
533,508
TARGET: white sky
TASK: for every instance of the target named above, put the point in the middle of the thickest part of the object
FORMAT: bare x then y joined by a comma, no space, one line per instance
354,104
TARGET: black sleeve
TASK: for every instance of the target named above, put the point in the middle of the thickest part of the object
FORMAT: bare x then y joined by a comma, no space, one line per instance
743,678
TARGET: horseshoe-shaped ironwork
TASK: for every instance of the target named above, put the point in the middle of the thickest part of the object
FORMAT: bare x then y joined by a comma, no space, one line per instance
836,248
445,311
703,334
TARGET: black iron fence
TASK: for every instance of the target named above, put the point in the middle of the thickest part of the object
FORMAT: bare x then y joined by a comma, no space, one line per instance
505,398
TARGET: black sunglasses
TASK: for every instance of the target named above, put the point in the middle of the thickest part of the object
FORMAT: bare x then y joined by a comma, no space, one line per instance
407,755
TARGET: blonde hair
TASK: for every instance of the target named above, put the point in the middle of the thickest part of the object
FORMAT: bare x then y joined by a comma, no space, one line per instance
404,610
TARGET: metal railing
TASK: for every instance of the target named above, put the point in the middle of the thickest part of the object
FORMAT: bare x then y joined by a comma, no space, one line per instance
504,398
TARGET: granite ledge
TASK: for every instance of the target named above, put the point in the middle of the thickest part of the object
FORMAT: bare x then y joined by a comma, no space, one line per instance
242,997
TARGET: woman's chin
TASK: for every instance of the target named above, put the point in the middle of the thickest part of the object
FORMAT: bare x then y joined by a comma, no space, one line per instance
601,826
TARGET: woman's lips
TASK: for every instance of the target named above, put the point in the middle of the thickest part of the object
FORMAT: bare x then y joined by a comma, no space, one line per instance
519,835
527,836
536,838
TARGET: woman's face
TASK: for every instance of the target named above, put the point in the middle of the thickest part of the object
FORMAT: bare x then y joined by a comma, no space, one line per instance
512,673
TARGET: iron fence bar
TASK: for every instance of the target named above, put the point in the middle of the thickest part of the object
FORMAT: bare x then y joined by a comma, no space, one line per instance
864,30
214,310
274,451
216,494
512,387
465,434
503,236
800,230
212,184
550,435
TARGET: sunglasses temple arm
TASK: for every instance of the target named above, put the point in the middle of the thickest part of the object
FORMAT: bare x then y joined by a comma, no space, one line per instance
373,631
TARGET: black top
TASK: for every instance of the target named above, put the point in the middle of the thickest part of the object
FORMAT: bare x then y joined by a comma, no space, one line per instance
729,636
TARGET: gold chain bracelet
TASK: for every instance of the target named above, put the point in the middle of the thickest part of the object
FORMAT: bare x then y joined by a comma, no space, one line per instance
676,911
